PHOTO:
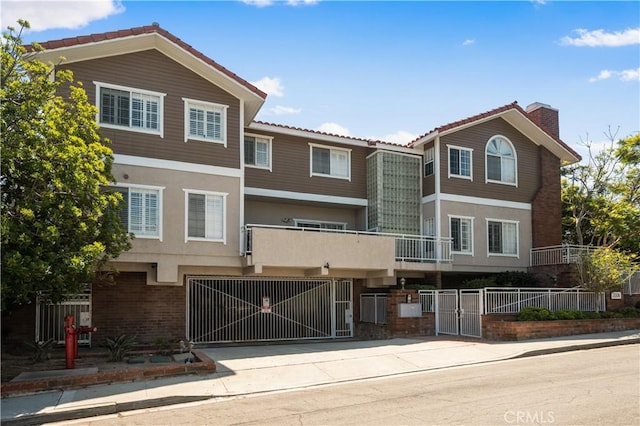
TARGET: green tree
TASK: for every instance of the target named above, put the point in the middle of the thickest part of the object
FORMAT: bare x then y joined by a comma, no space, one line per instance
58,226
605,269
601,197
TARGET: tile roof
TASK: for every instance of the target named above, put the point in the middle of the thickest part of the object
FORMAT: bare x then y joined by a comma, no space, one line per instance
513,105
371,142
147,29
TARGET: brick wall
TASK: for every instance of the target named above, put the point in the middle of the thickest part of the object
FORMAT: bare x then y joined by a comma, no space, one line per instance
523,330
546,212
130,306
545,117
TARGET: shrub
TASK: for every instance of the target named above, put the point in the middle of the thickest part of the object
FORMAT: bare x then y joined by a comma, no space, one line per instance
566,314
533,313
628,312
515,279
41,351
480,283
117,347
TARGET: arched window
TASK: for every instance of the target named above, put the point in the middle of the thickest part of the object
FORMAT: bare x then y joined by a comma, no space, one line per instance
501,165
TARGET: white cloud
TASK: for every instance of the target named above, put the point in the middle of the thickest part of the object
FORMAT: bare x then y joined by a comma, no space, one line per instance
599,38
271,86
333,128
468,42
630,75
400,137
45,15
282,110
625,75
258,3
302,2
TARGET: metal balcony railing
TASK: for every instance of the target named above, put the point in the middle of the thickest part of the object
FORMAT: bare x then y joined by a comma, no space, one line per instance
558,255
409,248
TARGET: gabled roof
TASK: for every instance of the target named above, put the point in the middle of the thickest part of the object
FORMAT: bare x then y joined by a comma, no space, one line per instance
518,118
81,48
329,137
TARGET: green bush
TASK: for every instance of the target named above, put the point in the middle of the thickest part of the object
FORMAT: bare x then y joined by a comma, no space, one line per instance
41,351
515,279
480,283
117,347
566,314
533,313
628,312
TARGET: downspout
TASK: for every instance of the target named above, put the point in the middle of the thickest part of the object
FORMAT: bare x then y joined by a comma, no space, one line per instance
241,239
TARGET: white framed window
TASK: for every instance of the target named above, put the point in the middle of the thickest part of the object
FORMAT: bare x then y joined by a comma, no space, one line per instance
319,224
257,151
461,232
330,161
502,237
121,107
501,161
430,227
205,121
460,162
141,212
428,162
205,216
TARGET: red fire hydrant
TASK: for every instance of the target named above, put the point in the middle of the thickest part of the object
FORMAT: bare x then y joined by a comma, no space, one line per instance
71,340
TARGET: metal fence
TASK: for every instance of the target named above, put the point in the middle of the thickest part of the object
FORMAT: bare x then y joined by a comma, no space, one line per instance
427,300
558,255
500,300
633,285
50,317
373,308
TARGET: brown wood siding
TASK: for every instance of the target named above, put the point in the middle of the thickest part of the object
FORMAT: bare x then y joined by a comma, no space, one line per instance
476,138
290,169
151,70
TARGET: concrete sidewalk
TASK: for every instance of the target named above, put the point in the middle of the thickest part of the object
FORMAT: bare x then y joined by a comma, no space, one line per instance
243,370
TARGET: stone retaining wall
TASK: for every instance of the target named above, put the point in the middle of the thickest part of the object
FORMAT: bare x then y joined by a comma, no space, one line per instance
508,329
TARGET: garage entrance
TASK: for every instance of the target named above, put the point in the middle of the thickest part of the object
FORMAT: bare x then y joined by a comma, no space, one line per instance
260,309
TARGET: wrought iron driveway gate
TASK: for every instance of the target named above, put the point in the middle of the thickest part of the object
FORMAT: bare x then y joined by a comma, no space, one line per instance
255,309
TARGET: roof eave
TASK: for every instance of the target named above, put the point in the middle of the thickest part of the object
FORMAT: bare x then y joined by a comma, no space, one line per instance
147,41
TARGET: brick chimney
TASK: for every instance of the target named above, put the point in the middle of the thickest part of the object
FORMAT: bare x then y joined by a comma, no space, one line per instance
544,116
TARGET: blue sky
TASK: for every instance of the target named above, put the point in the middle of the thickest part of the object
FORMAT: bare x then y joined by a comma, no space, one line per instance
395,70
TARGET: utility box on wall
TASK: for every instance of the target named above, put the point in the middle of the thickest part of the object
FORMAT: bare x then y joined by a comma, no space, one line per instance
410,310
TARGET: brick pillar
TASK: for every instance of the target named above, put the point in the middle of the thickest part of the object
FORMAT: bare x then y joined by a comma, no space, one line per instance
546,212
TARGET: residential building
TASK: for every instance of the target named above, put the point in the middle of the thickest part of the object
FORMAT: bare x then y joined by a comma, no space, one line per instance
248,231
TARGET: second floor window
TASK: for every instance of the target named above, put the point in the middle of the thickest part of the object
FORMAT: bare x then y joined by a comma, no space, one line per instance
332,162
205,121
140,212
133,109
206,216
460,162
314,224
257,151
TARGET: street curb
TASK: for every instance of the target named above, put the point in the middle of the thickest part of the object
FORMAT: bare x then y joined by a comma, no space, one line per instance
101,410
577,347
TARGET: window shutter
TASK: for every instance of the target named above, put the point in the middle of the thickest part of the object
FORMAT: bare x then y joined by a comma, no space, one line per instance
196,220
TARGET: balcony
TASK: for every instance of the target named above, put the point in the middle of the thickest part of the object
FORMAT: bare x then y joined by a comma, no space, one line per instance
317,250
558,255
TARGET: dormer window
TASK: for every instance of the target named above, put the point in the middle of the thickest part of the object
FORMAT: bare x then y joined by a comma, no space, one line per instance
501,161
122,107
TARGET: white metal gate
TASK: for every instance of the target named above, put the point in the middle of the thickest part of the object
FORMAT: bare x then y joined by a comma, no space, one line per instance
50,317
459,312
447,312
259,309
471,313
